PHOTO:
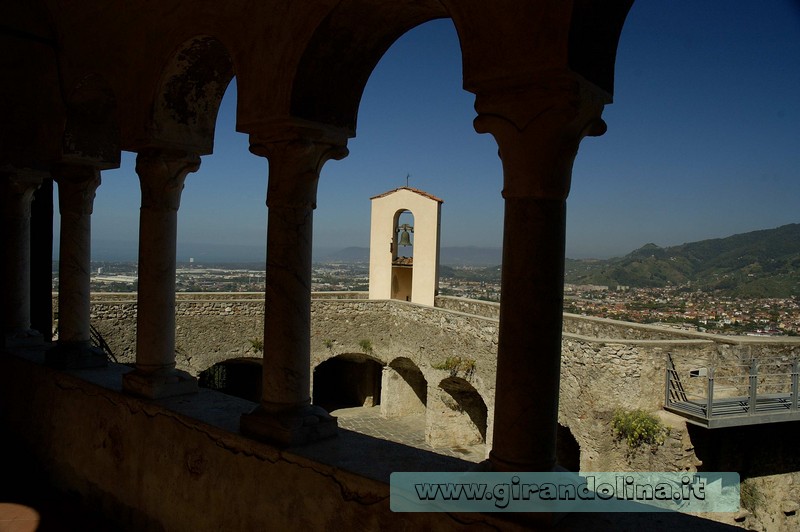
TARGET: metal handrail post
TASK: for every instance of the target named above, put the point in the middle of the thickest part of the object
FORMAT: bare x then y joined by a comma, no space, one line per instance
751,407
667,396
710,398
795,367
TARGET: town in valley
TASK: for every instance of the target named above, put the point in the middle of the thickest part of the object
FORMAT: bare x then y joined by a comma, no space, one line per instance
680,306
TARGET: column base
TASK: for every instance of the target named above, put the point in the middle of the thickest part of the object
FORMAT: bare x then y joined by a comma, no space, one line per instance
159,385
505,466
22,338
75,355
536,520
289,428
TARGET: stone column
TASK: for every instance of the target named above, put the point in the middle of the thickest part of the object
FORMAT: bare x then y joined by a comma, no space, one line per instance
17,194
538,129
76,190
42,260
285,415
161,176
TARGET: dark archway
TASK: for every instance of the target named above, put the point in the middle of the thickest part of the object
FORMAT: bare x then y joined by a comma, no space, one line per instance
347,381
568,450
240,377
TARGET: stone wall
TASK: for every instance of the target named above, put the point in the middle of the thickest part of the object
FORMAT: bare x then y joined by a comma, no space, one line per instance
213,328
397,332
181,465
606,365
600,371
487,309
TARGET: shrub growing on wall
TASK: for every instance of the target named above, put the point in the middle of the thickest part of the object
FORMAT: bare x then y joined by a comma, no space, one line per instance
638,428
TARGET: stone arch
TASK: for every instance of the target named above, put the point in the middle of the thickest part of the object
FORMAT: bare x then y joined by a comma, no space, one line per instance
346,381
91,129
343,52
457,415
527,38
594,34
404,389
192,85
240,377
568,450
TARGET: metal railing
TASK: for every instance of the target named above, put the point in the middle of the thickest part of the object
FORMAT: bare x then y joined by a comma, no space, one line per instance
763,390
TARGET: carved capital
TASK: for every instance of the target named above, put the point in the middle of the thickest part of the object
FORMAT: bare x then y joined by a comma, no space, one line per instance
296,150
162,174
18,187
538,128
77,185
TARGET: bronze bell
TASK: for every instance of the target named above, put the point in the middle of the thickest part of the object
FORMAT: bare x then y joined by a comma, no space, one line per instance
405,237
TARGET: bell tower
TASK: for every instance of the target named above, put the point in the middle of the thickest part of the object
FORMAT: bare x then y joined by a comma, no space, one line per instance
404,246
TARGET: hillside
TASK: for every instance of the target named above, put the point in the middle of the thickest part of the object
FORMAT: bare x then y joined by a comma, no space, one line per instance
762,263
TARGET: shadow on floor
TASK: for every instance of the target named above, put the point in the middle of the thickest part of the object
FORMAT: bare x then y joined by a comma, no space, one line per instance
24,482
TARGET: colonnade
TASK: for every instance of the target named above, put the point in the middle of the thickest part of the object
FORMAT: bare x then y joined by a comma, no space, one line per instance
537,128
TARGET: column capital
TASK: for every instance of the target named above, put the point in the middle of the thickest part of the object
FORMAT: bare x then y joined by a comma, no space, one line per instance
538,128
162,174
19,186
296,150
77,184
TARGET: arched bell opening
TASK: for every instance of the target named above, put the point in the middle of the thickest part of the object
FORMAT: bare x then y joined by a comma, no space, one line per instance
240,377
347,381
404,389
403,255
457,415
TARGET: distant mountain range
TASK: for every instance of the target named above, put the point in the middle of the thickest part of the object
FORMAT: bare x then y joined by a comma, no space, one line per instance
757,264
762,263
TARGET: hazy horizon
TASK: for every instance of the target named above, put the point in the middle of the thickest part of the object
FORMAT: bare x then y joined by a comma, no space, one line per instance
126,251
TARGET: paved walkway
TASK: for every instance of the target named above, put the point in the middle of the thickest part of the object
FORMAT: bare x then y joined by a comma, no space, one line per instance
408,430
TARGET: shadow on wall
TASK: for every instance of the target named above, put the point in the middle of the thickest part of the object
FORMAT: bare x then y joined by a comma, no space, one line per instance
456,416
752,450
568,450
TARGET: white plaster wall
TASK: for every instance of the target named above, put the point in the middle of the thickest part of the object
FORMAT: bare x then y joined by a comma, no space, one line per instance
426,213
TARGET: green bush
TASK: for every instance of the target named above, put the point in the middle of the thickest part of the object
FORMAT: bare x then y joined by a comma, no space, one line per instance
456,364
257,344
366,346
638,427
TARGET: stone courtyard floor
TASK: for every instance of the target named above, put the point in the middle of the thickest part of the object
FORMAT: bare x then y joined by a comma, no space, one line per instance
408,430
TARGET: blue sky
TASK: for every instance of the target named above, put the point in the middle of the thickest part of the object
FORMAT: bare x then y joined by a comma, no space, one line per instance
702,142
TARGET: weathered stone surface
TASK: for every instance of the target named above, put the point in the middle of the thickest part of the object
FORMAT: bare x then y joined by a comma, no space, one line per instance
598,375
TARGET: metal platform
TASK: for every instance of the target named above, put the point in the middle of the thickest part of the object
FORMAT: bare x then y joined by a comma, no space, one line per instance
760,391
